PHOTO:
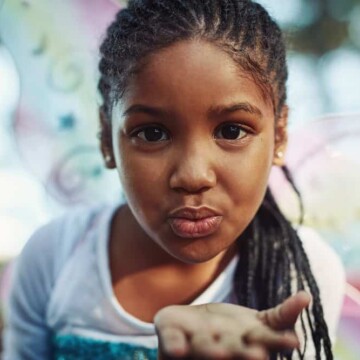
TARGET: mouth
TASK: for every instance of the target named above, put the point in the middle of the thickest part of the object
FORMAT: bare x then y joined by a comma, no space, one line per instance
194,222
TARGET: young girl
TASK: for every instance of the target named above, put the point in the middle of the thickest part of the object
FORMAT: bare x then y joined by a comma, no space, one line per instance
193,117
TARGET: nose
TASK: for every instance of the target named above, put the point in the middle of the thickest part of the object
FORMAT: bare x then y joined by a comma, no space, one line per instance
194,170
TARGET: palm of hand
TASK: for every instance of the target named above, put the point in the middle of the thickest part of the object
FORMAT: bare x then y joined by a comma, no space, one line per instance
226,331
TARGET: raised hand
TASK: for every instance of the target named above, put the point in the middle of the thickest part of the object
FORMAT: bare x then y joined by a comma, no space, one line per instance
226,331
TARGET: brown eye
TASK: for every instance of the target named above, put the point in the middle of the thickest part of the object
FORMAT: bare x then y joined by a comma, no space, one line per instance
151,134
230,132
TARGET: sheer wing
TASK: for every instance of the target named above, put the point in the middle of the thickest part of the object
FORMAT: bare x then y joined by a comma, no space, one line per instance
55,48
324,160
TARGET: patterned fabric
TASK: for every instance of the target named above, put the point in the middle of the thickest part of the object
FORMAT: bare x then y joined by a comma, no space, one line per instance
70,347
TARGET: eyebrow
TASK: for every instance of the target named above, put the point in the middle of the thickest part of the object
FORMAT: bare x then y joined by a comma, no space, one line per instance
138,108
213,111
228,109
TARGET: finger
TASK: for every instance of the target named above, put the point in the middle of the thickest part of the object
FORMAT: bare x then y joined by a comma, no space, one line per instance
231,310
272,340
238,349
172,342
206,345
253,352
183,317
284,315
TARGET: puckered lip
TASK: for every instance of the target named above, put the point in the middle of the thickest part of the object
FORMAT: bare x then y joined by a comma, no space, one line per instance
194,213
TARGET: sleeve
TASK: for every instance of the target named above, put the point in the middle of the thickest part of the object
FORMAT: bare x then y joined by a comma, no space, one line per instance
330,276
26,335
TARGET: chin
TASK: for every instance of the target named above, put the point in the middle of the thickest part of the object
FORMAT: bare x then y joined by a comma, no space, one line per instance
194,259
194,254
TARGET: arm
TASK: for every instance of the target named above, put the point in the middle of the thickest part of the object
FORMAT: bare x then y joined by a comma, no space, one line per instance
26,334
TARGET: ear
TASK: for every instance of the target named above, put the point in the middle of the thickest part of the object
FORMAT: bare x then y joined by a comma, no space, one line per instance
281,137
105,138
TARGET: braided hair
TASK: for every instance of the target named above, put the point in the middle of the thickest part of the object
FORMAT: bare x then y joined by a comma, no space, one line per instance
271,251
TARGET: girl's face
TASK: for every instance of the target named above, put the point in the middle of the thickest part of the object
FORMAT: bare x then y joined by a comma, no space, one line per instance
193,141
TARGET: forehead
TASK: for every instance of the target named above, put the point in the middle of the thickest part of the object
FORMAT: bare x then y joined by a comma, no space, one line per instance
191,76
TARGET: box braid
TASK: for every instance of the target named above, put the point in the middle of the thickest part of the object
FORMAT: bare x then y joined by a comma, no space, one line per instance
271,251
272,254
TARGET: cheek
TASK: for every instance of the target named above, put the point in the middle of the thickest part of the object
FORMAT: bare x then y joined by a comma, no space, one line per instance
143,177
246,175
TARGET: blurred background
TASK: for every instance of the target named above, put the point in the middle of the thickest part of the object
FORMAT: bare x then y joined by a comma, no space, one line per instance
49,158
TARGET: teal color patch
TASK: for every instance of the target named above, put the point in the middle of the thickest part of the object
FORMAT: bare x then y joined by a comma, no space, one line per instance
70,347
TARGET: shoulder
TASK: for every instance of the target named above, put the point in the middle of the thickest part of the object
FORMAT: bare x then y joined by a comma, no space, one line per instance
27,333
329,274
51,243
47,250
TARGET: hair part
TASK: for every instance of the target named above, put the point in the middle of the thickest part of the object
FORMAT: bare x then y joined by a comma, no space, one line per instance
243,29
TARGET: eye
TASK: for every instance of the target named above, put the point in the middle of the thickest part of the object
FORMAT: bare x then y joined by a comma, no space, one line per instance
230,132
151,134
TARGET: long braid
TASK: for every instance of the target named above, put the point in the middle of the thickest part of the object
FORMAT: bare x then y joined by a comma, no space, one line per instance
271,251
269,217
320,324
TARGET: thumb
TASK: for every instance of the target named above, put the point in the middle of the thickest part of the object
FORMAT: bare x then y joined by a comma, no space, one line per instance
284,316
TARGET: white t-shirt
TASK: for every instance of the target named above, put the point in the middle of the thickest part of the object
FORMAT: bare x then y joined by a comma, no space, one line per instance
62,305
